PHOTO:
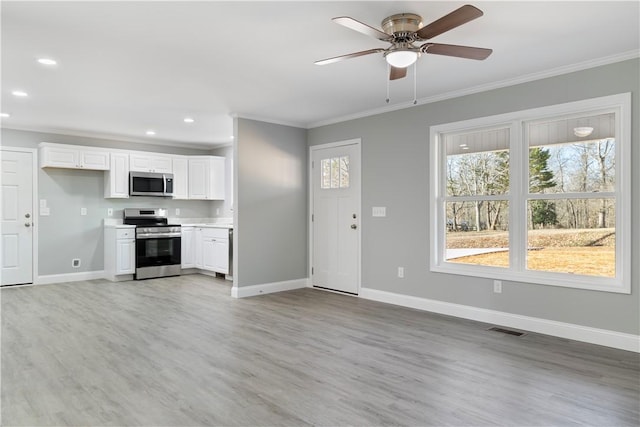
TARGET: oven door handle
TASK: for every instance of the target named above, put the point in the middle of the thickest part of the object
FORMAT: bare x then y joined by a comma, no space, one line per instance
143,236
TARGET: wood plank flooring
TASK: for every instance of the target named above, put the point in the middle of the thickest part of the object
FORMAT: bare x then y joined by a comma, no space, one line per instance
180,351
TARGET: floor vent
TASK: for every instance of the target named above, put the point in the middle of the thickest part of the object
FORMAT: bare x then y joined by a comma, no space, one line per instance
507,331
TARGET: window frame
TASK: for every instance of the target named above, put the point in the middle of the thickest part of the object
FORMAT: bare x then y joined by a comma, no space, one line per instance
518,195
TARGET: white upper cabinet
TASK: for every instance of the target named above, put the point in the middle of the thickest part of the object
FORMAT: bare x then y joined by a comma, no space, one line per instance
116,179
150,162
72,157
206,177
180,177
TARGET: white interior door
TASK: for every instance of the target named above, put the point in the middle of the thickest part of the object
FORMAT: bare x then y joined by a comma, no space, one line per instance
336,217
17,217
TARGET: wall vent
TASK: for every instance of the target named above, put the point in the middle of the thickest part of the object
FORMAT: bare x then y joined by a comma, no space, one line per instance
506,331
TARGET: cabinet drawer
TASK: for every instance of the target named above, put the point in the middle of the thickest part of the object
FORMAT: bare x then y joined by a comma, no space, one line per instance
221,233
125,233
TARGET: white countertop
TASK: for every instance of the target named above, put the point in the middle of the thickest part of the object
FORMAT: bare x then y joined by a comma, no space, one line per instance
210,225
117,223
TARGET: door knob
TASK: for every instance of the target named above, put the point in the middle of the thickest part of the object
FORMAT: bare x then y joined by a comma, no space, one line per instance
353,226
27,224
27,215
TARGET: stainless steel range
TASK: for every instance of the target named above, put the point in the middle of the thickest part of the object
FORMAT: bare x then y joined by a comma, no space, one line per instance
158,243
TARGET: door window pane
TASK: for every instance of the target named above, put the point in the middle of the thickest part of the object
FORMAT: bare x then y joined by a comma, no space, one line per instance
334,172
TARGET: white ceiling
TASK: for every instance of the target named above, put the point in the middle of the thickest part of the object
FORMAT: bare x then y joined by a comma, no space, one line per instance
126,67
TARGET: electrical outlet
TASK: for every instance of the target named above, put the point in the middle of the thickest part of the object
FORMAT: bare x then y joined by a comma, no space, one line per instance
109,211
177,211
217,211
83,211
497,286
401,272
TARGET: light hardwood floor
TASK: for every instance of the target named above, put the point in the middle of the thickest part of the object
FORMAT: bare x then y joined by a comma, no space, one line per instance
180,351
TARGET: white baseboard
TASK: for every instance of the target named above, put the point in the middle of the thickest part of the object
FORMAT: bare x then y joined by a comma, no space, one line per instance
268,288
69,277
588,334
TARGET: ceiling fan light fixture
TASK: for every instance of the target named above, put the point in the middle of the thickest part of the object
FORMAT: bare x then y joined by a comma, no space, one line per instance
582,131
401,58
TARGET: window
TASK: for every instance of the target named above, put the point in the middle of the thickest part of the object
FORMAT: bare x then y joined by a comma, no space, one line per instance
540,196
335,172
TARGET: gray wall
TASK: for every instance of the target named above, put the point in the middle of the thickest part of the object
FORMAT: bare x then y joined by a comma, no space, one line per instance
66,234
395,159
271,227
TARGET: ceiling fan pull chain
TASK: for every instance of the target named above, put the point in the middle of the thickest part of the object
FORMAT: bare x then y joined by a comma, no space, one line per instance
415,84
387,79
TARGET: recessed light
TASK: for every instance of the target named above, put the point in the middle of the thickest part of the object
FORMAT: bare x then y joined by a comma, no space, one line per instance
150,132
465,148
188,120
5,115
47,61
20,93
463,145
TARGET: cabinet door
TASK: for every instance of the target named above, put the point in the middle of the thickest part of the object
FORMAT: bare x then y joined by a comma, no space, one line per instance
59,157
116,179
139,163
180,178
217,179
125,256
188,247
95,160
208,254
161,164
198,173
198,238
221,255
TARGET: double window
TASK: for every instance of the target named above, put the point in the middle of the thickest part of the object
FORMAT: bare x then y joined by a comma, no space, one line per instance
539,196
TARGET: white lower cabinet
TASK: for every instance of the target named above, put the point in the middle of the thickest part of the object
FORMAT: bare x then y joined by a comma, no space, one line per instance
119,253
126,256
206,249
188,247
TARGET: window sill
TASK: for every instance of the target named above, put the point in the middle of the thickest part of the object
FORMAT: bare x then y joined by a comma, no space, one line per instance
537,277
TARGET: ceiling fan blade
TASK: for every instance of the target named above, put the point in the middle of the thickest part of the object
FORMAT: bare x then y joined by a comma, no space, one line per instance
456,18
361,28
456,50
350,55
397,73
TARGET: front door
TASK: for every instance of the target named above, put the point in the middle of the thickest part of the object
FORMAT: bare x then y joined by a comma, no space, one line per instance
17,217
336,216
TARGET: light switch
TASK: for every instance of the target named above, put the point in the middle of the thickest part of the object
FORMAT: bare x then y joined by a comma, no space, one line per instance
379,211
177,211
110,212
45,211
43,203
83,211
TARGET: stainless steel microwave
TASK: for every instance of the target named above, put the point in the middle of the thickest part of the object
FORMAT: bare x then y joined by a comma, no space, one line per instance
150,184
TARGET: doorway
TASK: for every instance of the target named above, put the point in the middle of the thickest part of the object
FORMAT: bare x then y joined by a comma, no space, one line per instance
335,216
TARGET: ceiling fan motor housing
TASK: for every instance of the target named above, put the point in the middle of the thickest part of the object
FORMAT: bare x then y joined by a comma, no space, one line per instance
402,26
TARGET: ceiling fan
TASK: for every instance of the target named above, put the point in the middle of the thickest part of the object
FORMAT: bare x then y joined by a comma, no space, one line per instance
403,30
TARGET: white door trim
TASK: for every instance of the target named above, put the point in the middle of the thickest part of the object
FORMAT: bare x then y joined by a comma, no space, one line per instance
358,143
34,207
